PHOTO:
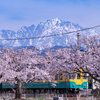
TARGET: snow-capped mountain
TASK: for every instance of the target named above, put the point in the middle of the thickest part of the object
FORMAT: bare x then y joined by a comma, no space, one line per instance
50,27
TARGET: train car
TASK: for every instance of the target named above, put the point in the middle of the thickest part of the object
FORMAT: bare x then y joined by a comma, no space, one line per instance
73,81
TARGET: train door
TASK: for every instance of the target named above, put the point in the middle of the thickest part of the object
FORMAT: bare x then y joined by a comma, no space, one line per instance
71,79
90,83
66,82
79,79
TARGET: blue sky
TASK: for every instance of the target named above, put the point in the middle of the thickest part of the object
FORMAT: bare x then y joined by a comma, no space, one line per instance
17,13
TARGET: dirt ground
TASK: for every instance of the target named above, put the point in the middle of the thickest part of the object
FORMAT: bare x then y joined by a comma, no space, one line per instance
82,98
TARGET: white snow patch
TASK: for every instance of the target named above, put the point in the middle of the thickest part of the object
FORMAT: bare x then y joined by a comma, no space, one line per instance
30,42
66,41
17,43
5,42
54,21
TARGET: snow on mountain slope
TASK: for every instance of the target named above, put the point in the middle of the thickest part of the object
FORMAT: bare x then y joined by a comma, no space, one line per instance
50,27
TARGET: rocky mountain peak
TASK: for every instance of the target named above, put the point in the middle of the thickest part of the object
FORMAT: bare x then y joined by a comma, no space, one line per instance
49,27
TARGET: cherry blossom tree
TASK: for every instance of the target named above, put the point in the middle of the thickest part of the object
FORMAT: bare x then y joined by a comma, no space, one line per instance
59,61
72,58
29,65
92,53
23,65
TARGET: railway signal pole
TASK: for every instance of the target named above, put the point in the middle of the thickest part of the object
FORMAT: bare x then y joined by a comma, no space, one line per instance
78,41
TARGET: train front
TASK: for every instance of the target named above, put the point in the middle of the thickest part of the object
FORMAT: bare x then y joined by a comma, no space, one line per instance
77,81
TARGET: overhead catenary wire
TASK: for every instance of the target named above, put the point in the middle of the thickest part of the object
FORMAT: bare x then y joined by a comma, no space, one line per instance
51,35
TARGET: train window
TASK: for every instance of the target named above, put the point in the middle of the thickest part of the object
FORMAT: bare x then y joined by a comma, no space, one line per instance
71,76
39,79
56,77
78,75
60,76
84,76
66,77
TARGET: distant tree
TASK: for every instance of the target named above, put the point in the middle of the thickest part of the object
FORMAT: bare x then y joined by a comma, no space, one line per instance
23,65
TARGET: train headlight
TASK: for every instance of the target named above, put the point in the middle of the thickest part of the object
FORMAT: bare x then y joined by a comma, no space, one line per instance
84,85
73,85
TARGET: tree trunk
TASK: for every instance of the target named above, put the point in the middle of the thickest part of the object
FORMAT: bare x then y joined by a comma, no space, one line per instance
18,91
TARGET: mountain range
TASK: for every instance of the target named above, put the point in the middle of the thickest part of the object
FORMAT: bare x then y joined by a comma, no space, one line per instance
50,27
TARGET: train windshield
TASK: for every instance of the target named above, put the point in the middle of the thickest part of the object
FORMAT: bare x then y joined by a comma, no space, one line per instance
72,76
78,76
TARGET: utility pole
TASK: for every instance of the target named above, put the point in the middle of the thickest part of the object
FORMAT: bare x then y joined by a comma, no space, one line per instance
78,41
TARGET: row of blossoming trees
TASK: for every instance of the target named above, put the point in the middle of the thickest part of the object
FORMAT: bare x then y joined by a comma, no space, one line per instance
30,65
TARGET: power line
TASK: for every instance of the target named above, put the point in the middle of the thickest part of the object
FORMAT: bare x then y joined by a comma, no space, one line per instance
52,35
